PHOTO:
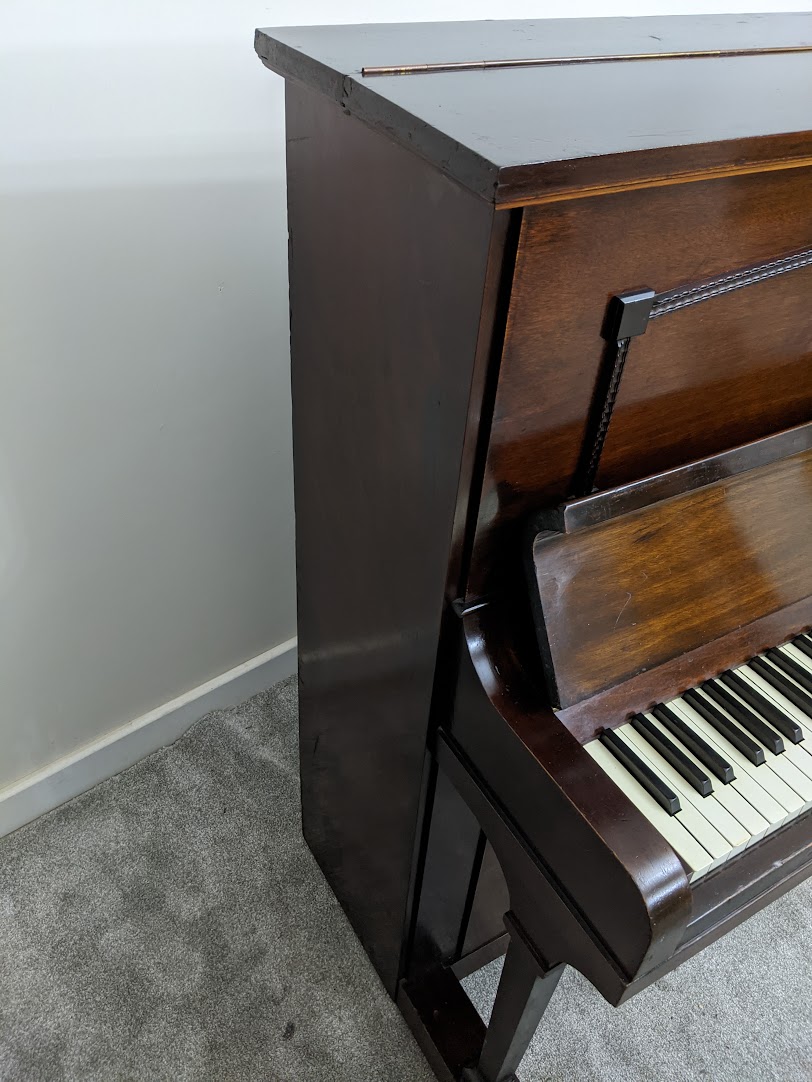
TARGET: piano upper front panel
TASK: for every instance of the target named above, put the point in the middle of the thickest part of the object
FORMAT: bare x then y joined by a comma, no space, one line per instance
699,381
655,584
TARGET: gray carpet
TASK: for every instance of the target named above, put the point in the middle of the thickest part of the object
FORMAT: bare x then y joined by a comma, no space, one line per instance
171,925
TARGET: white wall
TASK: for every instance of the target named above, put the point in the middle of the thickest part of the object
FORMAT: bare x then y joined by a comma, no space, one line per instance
146,524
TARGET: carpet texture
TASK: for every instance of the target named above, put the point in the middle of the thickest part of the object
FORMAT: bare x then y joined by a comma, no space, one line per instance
171,925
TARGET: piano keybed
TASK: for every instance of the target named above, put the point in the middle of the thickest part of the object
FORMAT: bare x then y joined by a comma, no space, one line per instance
724,764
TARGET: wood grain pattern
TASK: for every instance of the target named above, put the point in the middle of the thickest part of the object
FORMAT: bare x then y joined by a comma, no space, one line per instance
525,186
551,791
578,514
612,706
694,383
638,590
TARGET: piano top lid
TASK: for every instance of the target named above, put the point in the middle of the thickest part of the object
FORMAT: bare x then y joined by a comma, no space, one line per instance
527,134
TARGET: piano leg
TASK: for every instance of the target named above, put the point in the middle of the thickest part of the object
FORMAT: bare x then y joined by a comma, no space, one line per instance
525,989
452,1035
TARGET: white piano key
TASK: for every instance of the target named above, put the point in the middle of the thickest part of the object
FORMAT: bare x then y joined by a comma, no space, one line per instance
799,754
698,860
782,764
781,701
796,779
688,815
797,655
713,807
731,838
795,675
765,791
763,706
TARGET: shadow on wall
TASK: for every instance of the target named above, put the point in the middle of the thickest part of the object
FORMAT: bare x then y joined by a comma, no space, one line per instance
146,524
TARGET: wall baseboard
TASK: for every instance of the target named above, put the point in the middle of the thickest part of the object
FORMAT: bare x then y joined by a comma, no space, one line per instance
73,774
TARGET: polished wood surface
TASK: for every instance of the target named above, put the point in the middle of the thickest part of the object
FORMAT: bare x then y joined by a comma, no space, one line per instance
455,239
578,514
695,383
522,762
515,136
657,583
538,773
612,706
385,325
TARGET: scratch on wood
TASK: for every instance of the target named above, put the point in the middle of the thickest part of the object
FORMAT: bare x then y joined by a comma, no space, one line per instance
622,610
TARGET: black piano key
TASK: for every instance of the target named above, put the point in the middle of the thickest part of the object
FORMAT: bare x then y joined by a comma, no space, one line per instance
654,786
788,688
803,644
757,727
685,767
790,666
708,756
727,728
769,710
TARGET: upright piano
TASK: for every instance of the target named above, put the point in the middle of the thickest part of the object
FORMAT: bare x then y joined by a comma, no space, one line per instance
551,335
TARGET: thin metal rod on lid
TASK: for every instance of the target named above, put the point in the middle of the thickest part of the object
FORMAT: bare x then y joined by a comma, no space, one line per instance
552,61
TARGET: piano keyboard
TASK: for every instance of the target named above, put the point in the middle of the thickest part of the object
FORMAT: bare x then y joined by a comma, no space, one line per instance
724,764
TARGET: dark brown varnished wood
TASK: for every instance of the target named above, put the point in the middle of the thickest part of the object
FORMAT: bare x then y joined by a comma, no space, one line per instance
525,988
523,186
483,931
517,136
541,774
591,510
738,890
441,922
613,706
655,584
694,384
444,1022
385,321
455,239
496,681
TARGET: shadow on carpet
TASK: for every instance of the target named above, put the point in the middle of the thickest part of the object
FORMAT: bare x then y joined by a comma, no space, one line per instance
172,925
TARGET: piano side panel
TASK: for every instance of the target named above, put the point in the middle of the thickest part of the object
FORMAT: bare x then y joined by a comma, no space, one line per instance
655,584
388,264
699,381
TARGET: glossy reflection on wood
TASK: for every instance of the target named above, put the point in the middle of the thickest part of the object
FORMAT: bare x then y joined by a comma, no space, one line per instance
387,284
612,706
445,352
655,584
698,382
590,510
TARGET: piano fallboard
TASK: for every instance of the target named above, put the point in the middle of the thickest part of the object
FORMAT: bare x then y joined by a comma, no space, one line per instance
658,582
